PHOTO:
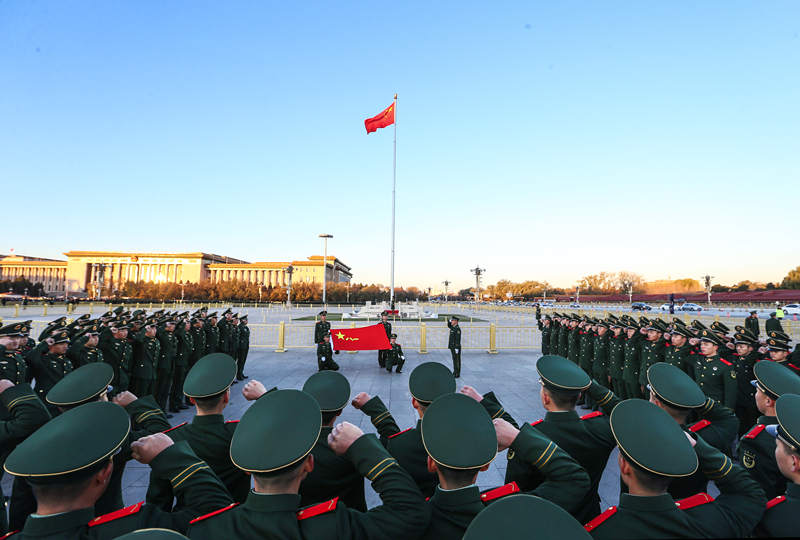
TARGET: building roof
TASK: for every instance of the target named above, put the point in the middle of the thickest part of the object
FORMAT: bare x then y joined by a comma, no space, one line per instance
192,255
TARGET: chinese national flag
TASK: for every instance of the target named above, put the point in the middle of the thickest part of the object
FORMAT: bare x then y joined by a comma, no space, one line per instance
367,338
380,120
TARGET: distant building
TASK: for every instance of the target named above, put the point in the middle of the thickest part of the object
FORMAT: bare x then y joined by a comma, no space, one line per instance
84,271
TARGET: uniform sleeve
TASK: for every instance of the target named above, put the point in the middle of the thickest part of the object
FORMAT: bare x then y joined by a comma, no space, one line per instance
565,481
403,513
381,418
496,410
605,398
146,417
35,358
741,502
75,350
27,413
731,388
758,462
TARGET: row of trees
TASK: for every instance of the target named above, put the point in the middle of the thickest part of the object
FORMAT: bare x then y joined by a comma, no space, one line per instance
20,285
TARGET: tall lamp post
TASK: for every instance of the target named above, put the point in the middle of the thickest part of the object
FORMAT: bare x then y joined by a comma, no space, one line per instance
446,283
478,271
289,271
325,268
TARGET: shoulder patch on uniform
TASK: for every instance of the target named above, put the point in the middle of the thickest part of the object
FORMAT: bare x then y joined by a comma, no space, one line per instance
697,499
502,491
777,500
593,414
8,534
600,519
214,513
753,433
399,433
697,426
117,514
539,421
725,362
317,509
231,421
173,427
794,366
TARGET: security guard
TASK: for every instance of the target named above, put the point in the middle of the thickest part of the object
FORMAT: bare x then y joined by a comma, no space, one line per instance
427,382
50,367
333,475
387,326
454,344
715,375
69,474
12,365
243,347
772,324
287,423
756,448
325,355
647,470
208,386
322,327
396,356
91,383
515,517
461,441
780,518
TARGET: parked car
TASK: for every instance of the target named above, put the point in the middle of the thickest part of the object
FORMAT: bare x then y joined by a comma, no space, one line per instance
691,307
665,307
791,309
641,306
575,305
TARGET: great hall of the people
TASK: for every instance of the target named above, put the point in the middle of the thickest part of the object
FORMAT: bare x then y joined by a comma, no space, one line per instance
84,269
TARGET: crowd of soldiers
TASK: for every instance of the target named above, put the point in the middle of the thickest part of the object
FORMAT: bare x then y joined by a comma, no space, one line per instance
289,469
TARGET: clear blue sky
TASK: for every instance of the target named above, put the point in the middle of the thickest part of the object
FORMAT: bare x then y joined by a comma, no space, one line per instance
541,140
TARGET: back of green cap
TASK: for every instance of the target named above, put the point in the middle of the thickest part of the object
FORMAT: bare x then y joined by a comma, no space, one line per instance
525,516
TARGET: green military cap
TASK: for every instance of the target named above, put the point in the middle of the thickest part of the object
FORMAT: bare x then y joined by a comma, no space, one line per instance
682,330
651,439
122,326
15,329
602,322
138,312
525,516
559,373
71,445
787,410
775,379
84,384
286,422
717,326
430,380
744,339
119,309
323,312
227,311
151,534
454,318
678,322
631,323
243,317
393,336
210,375
674,387
331,389
547,317
556,314
60,336
777,334
745,332
211,315
611,317
458,433
777,345
644,321
709,335
158,312
27,325
697,324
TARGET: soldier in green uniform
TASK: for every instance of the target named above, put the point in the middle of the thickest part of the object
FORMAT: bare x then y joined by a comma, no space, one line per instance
779,352
426,382
26,343
461,440
773,324
69,474
387,326
715,375
780,518
118,353
751,324
573,339
50,367
184,351
395,356
83,347
616,357
91,383
586,438
225,326
653,451
745,361
166,362
274,442
632,359
321,327
333,475
212,333
454,344
677,350
756,450
12,365
325,355
651,351
546,328
555,337
600,352
512,518
243,347
198,340
585,345
22,414
208,386
563,339
146,353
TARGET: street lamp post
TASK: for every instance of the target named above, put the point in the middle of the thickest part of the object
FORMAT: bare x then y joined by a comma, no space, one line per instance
446,283
325,268
289,271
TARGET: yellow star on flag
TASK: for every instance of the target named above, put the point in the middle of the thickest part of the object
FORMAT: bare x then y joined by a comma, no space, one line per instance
340,335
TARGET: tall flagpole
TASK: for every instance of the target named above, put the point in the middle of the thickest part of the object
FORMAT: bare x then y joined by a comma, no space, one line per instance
394,187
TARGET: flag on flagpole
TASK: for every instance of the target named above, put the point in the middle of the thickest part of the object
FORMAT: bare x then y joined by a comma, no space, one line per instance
380,120
366,338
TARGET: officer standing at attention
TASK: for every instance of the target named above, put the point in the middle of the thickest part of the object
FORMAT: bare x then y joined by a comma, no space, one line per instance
653,451
715,376
545,327
461,440
69,474
183,333
396,356
208,386
50,367
243,347
322,327
454,344
751,323
325,354
212,334
274,442
166,363
427,382
146,353
652,350
780,519
616,356
756,448
387,326
632,359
